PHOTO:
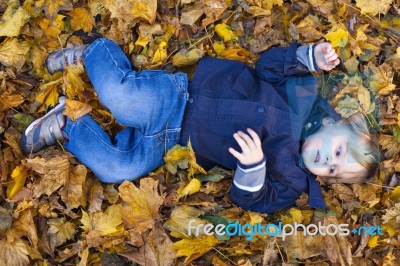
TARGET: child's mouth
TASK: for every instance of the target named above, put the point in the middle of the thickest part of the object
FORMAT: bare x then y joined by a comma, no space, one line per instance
317,157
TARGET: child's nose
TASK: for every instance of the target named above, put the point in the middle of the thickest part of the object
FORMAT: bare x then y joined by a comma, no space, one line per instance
328,160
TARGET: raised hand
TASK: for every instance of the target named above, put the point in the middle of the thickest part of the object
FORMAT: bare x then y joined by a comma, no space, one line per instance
325,56
250,145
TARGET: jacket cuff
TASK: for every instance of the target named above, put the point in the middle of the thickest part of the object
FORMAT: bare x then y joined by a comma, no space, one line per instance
314,62
252,179
252,167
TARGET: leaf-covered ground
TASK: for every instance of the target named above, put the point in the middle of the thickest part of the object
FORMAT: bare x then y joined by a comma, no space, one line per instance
53,210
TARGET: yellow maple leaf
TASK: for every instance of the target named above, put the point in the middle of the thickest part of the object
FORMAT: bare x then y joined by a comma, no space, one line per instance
338,38
161,53
18,176
48,96
373,241
390,228
81,19
255,217
9,100
236,53
76,109
225,32
192,248
97,7
374,7
141,205
52,27
183,157
187,57
219,47
121,11
395,195
178,222
60,231
145,9
382,79
13,19
364,97
258,11
39,55
270,3
52,7
13,52
107,223
72,82
189,189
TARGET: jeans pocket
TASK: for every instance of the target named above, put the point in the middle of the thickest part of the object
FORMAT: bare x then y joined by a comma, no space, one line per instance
180,82
169,137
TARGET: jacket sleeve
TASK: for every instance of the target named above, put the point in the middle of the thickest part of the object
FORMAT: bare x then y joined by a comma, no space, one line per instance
272,196
250,177
278,63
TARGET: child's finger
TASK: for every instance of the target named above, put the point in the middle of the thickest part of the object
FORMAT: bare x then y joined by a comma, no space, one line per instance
329,54
236,154
241,142
250,143
255,137
336,62
332,57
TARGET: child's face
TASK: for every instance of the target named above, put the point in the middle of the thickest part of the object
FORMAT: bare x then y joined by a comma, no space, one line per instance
325,153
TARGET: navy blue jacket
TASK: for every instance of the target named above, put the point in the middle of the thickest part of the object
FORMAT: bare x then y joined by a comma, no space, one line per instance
276,99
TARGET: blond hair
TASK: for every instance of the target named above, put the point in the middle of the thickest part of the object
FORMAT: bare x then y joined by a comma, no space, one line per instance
367,152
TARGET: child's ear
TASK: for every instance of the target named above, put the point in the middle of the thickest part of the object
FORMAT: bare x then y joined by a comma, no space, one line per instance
328,121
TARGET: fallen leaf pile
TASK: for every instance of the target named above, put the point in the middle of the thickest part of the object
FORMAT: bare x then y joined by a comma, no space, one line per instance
54,211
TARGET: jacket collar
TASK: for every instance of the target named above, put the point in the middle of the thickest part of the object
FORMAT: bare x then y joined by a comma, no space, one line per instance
313,123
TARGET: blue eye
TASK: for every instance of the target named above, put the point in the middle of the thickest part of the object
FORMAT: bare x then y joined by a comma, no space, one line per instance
339,151
331,170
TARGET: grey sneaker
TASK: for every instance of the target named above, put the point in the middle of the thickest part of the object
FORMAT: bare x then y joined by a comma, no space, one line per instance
46,130
64,57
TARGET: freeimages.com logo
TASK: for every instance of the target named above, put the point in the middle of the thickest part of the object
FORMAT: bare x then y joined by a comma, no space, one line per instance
279,230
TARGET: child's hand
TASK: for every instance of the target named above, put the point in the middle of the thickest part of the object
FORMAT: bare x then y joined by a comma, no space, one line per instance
251,147
325,56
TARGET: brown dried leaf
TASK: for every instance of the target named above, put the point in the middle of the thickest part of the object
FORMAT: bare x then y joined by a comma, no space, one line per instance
343,192
54,172
303,247
390,147
24,226
72,192
157,250
191,14
140,205
16,253
111,194
213,10
96,196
